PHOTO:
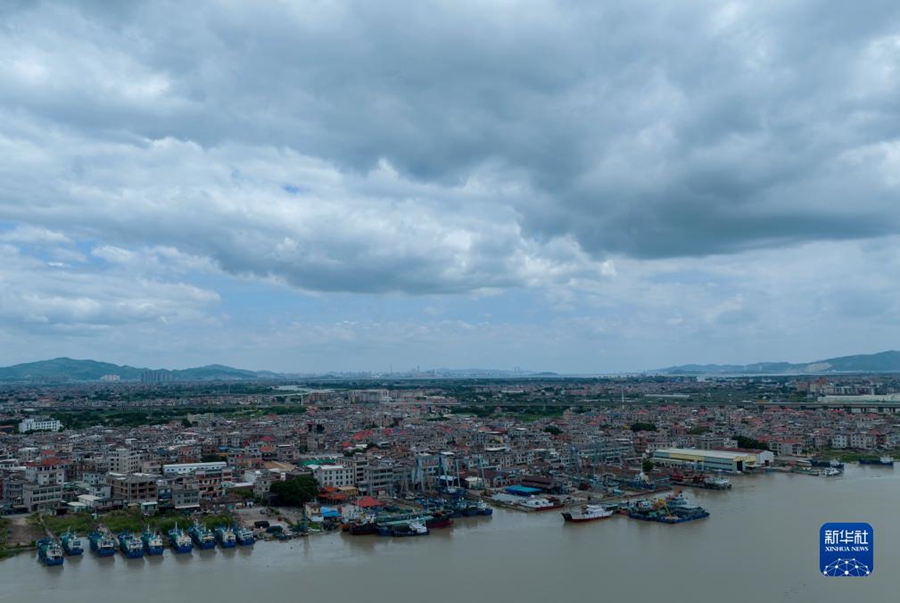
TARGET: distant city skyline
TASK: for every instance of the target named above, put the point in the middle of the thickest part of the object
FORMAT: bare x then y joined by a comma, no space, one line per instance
350,186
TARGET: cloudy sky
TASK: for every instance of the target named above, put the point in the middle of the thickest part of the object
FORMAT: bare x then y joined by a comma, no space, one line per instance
569,186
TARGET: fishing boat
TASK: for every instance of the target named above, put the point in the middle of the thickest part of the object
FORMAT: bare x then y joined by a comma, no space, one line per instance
871,460
673,509
226,537
244,537
181,542
438,520
680,507
153,542
699,480
202,537
539,503
826,463
50,552
587,513
364,528
101,544
71,544
474,509
413,527
131,546
717,482
831,472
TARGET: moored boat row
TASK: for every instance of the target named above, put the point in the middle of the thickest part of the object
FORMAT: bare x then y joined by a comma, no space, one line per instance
149,542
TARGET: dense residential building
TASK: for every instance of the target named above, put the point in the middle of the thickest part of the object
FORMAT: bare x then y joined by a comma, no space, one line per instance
134,488
124,460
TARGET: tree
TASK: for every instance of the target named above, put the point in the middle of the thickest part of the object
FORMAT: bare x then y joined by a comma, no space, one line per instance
553,430
297,491
698,430
750,443
643,427
185,422
647,466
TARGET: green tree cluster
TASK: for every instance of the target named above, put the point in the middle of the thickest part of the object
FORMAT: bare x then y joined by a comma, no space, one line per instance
750,443
643,427
297,491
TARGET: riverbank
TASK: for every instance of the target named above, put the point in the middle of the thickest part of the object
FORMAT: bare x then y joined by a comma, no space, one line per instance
760,543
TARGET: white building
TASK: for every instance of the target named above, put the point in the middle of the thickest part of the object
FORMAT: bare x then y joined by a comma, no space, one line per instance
39,424
334,476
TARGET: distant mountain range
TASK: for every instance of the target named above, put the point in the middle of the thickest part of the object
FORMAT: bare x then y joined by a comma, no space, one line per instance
882,362
68,369
61,370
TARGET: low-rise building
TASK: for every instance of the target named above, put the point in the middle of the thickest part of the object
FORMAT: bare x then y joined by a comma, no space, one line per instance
39,424
706,460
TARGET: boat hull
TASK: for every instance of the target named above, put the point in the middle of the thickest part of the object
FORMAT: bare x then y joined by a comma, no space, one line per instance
364,529
542,509
579,519
105,552
436,523
52,562
181,550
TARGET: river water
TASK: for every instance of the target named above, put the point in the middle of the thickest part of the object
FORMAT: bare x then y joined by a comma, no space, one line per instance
760,544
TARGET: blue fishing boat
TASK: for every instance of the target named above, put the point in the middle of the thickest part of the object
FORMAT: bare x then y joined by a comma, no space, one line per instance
226,537
101,544
181,542
884,461
71,544
244,537
202,537
153,542
50,552
131,546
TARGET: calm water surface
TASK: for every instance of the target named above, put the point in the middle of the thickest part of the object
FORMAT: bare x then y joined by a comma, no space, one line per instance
760,544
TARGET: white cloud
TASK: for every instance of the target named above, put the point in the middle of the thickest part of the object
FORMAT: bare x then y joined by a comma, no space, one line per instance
36,295
635,176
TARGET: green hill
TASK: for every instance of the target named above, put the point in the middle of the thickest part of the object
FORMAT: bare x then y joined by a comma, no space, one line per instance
61,370
882,362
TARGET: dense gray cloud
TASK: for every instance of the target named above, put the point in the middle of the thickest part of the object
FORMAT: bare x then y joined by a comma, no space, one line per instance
601,155
688,129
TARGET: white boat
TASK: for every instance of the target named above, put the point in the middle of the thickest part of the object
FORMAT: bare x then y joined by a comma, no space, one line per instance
831,472
539,503
717,482
417,527
588,513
